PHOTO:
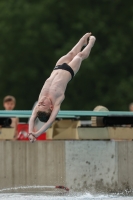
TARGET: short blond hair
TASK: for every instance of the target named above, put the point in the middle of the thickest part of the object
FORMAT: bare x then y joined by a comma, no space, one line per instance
9,98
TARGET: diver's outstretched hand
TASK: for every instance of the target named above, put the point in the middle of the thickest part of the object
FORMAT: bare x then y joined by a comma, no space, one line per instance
31,137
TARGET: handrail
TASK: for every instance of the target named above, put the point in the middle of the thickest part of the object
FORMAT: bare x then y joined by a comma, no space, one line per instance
68,113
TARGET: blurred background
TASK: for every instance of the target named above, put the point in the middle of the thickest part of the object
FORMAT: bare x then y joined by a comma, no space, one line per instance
35,34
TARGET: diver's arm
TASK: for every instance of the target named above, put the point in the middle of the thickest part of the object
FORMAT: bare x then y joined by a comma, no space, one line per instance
32,120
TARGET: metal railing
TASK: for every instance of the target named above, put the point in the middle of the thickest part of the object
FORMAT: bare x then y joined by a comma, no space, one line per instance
67,114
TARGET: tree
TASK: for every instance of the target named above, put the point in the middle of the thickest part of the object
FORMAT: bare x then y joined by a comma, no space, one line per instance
35,34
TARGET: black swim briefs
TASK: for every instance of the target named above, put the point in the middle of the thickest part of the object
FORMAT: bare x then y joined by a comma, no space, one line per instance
66,67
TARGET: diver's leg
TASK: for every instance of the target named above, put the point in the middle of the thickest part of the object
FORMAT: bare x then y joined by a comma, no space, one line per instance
77,60
74,51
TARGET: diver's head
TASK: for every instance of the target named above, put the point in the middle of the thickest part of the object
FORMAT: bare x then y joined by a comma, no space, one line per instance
44,109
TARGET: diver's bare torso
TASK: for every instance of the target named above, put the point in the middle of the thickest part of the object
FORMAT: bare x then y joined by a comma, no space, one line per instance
55,86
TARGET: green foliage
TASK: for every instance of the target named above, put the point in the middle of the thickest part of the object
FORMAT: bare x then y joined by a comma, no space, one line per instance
35,34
